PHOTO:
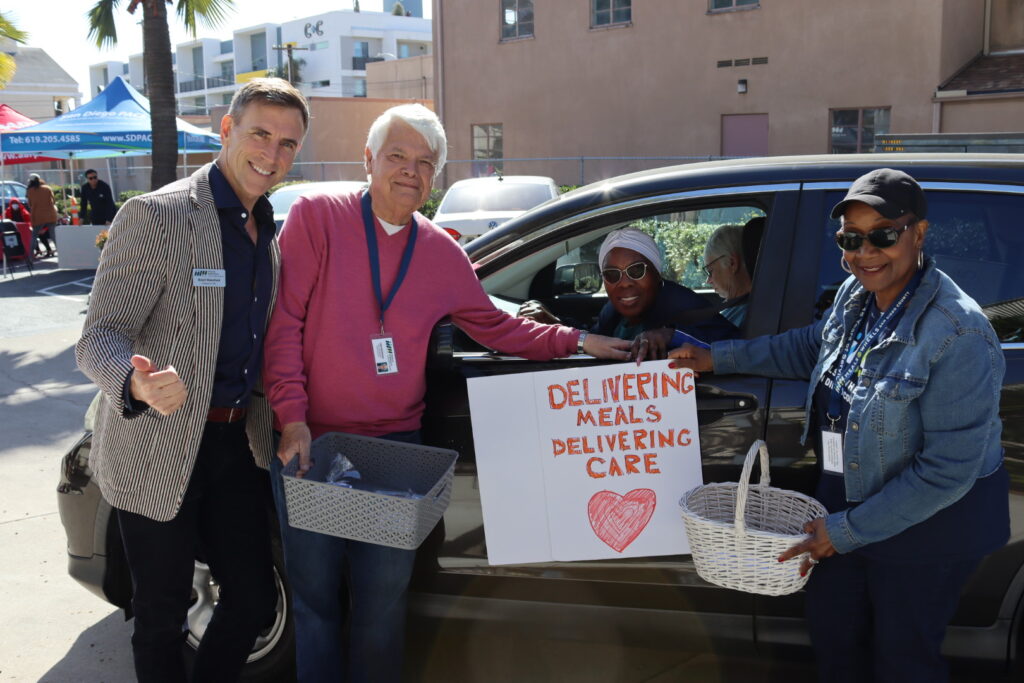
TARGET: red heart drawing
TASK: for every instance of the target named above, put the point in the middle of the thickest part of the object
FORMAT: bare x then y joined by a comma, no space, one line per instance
618,520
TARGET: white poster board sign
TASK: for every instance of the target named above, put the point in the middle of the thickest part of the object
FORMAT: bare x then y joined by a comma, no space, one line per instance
585,463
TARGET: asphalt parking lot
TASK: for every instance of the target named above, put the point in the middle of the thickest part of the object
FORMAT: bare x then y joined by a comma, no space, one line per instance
56,631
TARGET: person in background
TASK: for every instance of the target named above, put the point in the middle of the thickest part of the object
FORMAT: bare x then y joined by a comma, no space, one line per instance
44,214
639,298
727,272
905,373
174,338
17,212
365,278
97,200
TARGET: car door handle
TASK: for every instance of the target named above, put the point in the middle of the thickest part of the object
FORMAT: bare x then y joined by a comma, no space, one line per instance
713,408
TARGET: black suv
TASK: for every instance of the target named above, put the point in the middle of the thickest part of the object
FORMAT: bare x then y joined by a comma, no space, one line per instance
975,207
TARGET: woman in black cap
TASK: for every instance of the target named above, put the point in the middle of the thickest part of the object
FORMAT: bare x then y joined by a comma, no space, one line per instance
905,373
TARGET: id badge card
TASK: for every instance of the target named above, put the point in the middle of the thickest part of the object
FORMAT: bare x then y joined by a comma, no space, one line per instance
832,451
208,277
384,354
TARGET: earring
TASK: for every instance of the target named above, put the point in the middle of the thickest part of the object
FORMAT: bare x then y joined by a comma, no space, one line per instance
920,259
844,265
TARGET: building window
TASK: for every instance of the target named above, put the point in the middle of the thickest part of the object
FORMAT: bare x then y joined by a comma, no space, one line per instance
361,55
854,130
322,45
258,49
719,5
360,87
488,148
403,51
516,19
610,12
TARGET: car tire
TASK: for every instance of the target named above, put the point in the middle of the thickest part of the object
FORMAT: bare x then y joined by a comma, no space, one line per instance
273,655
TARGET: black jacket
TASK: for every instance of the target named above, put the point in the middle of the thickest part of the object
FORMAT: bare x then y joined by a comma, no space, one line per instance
100,202
679,307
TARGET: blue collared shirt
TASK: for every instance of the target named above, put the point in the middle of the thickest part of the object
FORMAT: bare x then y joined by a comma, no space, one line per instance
247,290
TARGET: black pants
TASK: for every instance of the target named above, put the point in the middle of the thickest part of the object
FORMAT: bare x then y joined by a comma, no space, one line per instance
224,519
875,620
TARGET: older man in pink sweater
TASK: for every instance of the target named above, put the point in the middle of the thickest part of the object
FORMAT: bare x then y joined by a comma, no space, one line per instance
363,281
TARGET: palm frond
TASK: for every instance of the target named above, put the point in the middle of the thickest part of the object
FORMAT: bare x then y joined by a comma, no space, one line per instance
212,12
102,27
7,69
9,30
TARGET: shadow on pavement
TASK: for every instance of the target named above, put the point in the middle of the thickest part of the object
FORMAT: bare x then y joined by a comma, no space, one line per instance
101,652
45,274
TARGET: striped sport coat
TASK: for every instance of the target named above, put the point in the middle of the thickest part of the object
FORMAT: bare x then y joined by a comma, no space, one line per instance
143,301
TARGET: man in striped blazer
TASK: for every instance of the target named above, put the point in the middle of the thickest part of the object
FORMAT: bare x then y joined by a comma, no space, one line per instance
174,338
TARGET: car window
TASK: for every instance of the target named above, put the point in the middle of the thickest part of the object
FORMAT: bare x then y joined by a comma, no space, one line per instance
494,197
975,239
12,189
681,237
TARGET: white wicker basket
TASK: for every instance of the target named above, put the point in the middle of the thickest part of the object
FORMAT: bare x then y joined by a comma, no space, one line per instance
737,531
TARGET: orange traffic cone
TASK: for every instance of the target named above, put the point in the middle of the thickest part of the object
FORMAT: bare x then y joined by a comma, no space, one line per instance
74,211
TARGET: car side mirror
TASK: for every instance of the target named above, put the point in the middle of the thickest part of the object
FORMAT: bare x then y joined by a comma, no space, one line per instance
577,278
587,278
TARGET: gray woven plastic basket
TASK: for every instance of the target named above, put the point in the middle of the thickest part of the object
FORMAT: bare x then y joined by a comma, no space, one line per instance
359,515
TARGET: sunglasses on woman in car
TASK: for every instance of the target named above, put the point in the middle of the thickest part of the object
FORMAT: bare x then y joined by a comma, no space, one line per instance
880,237
634,271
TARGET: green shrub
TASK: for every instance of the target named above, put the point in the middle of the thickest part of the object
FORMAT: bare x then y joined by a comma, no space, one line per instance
430,208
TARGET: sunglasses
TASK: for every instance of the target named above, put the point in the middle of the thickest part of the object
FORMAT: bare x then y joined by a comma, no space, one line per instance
880,237
90,177
634,271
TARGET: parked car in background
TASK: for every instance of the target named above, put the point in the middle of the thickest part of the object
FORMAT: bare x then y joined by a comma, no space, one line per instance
283,198
549,254
10,189
473,206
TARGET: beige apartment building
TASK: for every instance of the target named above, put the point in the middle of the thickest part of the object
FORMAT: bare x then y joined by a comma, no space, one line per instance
572,79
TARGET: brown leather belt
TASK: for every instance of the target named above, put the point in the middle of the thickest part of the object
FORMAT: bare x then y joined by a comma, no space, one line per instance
225,414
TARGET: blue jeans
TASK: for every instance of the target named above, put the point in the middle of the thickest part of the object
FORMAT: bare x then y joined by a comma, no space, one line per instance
370,649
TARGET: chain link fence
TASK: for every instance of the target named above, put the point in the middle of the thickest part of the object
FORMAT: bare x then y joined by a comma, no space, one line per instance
126,174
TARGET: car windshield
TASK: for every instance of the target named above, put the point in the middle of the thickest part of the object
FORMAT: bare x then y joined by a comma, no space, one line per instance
503,197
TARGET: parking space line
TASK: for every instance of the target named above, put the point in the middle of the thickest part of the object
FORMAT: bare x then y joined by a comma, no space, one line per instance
85,283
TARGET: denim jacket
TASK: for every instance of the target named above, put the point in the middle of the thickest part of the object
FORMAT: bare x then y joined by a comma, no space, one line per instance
924,422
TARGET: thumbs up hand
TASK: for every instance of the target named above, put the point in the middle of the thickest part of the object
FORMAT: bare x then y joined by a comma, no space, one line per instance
163,390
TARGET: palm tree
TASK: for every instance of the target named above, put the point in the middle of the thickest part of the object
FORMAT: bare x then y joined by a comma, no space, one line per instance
157,65
12,32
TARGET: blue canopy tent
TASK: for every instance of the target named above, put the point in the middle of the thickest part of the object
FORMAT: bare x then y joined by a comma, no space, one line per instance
114,122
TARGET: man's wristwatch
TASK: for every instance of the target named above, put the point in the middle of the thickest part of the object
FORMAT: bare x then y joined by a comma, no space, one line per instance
579,344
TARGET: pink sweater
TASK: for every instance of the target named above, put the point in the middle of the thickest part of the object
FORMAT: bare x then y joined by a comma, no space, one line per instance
318,359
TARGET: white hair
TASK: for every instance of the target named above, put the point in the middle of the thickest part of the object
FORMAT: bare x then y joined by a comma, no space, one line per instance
726,240
422,120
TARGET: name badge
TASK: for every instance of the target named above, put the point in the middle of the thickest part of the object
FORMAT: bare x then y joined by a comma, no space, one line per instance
208,277
832,451
384,355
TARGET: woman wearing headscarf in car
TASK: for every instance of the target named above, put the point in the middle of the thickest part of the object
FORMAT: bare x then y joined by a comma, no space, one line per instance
639,298
905,374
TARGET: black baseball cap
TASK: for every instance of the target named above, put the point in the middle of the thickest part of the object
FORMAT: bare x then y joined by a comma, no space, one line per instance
889,192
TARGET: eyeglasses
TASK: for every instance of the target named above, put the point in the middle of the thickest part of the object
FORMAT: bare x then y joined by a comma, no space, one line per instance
879,237
634,271
90,177
707,266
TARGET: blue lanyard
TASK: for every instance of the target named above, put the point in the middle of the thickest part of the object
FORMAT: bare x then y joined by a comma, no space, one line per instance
371,244
861,342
